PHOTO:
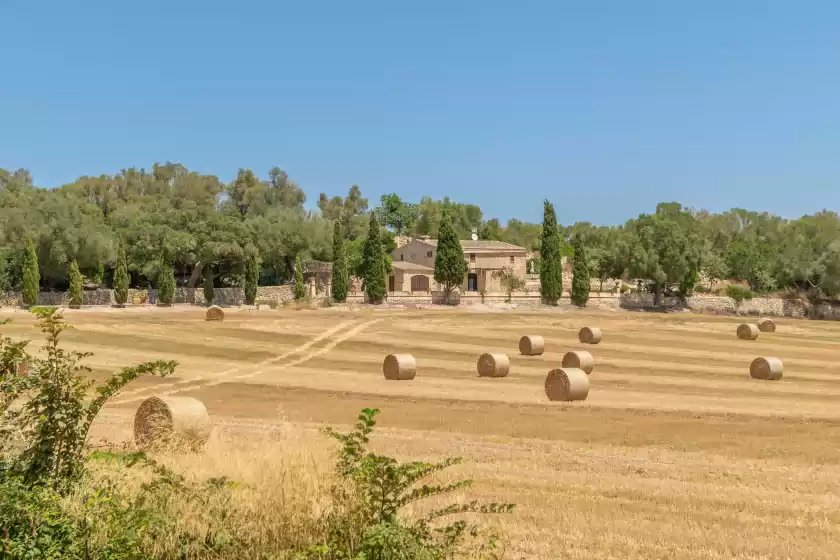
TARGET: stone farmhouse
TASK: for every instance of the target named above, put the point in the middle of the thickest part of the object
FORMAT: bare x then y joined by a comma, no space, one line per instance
414,265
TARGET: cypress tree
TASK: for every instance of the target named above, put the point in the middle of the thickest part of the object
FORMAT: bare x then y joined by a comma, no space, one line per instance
121,278
209,291
339,269
551,267
450,267
373,263
300,287
580,270
252,278
76,287
31,275
166,279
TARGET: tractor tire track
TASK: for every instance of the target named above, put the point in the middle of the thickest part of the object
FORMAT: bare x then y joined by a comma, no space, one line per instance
142,393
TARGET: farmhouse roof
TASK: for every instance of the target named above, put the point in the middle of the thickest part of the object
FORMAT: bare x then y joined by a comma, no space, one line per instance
411,267
482,245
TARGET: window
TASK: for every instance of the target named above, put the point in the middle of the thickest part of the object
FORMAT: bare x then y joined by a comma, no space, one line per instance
472,257
402,257
429,254
512,260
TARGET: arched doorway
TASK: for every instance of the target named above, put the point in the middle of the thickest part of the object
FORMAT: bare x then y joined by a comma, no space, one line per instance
472,282
420,283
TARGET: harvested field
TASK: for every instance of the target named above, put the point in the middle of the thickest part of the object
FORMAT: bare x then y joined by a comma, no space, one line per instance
676,453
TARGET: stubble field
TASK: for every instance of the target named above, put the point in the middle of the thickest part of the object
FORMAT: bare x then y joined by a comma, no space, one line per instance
677,453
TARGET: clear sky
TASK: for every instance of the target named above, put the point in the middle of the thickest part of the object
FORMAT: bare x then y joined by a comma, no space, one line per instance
604,107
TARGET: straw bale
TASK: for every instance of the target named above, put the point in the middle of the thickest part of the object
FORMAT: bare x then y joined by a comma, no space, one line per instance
399,367
172,423
747,331
567,384
493,365
531,345
766,325
215,313
767,368
580,359
590,335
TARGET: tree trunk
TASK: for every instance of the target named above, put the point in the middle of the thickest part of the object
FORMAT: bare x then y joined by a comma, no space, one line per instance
657,295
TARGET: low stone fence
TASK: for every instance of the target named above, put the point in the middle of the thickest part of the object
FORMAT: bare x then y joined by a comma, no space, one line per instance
222,296
773,307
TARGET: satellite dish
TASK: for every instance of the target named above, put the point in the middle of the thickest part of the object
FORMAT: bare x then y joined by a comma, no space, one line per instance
474,237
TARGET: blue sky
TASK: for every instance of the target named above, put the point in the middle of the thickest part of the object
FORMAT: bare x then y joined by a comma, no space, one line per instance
604,107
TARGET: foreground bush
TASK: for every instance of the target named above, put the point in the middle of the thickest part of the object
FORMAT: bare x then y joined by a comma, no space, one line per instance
60,498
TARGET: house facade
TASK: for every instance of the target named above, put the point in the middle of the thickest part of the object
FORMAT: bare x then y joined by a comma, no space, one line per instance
413,267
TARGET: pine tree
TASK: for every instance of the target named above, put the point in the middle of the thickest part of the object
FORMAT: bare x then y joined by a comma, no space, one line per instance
580,270
76,287
551,266
373,263
121,278
300,287
209,291
339,269
252,278
166,279
450,267
31,276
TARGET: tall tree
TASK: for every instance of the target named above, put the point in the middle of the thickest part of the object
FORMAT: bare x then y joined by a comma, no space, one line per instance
339,268
208,289
450,266
165,279
551,266
300,287
31,275
121,279
76,286
396,214
252,277
580,271
663,248
374,263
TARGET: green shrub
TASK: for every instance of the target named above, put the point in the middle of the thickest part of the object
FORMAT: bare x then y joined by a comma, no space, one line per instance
300,287
252,277
207,287
76,286
369,498
121,279
31,275
738,293
165,279
551,266
580,279
339,269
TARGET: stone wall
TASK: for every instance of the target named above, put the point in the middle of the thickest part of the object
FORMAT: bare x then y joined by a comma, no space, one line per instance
773,307
222,296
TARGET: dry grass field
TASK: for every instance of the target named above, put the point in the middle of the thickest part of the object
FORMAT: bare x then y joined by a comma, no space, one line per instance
676,454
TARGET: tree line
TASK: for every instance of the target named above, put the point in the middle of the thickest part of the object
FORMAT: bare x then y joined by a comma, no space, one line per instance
253,230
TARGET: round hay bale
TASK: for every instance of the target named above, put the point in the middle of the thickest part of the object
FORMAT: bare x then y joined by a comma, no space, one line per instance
531,345
747,331
580,359
399,367
493,365
766,325
567,384
214,313
590,335
767,368
172,423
